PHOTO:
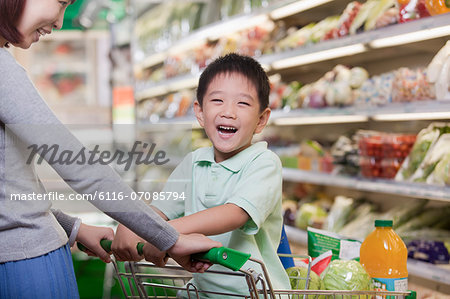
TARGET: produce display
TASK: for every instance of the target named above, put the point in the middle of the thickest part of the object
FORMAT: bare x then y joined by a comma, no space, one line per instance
272,37
429,150
381,154
354,218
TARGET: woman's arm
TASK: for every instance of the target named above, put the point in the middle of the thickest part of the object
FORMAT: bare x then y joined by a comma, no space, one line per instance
28,119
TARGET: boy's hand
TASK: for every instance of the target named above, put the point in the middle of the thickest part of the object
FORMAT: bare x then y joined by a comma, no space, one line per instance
90,236
124,244
190,244
154,255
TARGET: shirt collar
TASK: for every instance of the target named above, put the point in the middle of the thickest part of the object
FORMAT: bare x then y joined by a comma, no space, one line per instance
236,162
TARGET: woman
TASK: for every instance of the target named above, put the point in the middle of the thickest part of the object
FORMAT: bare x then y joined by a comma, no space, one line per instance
35,259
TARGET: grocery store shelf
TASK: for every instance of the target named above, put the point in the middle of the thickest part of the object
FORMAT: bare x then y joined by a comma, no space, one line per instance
280,9
416,268
438,26
368,40
428,271
168,123
371,185
423,110
149,90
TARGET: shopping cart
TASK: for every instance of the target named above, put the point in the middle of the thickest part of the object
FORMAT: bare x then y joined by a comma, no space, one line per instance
146,280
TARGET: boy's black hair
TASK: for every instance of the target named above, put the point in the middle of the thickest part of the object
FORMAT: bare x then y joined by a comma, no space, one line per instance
235,63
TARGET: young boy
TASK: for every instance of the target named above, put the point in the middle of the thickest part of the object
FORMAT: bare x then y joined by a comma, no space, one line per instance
233,189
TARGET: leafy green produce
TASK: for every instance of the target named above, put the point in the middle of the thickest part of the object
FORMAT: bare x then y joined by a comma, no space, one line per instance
403,213
428,218
309,214
297,277
346,275
362,15
376,12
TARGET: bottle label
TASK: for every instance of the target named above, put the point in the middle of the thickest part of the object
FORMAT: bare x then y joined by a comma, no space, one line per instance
390,284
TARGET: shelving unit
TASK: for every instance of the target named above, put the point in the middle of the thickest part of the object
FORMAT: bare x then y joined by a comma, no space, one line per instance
377,51
362,45
370,185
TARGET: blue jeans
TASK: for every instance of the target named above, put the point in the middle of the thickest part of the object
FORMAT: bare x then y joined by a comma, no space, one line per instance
49,276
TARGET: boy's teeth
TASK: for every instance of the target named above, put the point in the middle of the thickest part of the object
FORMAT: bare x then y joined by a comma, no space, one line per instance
224,128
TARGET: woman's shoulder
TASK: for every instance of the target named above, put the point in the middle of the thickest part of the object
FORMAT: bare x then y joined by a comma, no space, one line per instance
7,61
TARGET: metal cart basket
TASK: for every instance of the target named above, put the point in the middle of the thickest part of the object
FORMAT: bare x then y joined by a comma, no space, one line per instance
145,280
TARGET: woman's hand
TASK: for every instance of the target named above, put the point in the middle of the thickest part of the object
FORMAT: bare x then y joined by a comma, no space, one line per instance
190,244
90,236
124,244
154,255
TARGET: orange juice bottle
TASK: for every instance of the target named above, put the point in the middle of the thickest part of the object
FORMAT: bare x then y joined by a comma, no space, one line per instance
384,255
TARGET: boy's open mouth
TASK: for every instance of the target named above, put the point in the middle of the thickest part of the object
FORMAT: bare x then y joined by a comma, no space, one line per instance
226,129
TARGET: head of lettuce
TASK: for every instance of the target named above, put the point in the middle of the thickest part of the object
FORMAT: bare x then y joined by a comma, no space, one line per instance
346,275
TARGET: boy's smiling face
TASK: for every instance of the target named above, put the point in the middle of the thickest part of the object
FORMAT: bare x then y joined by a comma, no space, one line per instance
230,114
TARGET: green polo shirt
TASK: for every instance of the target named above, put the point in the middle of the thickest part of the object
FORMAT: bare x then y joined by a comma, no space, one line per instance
251,180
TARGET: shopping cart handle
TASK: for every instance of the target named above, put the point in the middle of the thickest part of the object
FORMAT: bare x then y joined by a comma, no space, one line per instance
227,257
106,245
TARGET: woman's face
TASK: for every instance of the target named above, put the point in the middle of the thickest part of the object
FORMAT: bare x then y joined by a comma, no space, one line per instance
39,18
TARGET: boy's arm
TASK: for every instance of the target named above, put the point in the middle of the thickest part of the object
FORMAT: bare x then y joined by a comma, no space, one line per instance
212,221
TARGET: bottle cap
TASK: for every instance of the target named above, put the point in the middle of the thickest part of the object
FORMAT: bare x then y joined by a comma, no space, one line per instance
383,223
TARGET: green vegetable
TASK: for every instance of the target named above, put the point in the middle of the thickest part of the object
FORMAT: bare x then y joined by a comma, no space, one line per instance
403,213
309,214
442,170
428,218
362,15
297,276
376,12
346,275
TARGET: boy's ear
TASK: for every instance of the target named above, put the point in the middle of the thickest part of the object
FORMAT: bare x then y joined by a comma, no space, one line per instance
199,113
263,119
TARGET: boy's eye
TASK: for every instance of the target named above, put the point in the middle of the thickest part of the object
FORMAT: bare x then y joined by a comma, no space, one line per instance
244,103
216,100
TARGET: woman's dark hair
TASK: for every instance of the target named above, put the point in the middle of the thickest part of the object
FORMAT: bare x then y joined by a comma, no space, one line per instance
235,63
10,13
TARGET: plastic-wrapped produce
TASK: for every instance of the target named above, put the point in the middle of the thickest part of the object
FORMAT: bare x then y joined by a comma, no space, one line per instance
428,218
432,158
362,224
441,173
424,142
375,91
403,213
378,11
429,251
320,29
339,212
362,15
345,21
358,76
316,96
411,85
339,94
438,72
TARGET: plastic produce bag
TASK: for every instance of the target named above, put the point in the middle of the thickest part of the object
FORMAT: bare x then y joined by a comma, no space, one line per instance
441,173
432,158
339,212
428,218
429,251
424,142
401,214
438,72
